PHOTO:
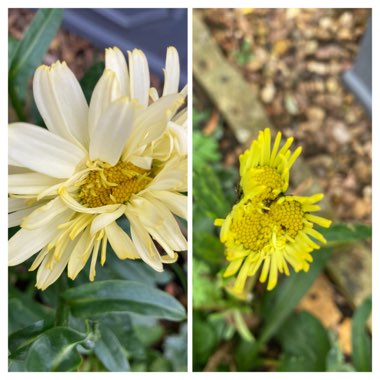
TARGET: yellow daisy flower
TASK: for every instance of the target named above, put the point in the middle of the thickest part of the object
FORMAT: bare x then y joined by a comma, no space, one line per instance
69,183
267,229
264,171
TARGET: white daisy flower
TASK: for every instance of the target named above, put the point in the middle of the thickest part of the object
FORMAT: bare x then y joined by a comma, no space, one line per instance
69,183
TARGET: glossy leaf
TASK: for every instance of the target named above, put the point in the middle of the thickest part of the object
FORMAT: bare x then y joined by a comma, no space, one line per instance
23,311
305,344
19,341
361,343
110,351
32,48
55,350
346,233
12,46
123,296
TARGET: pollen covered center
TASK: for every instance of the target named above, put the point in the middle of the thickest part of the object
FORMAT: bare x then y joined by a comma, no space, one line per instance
255,229
107,184
288,216
264,176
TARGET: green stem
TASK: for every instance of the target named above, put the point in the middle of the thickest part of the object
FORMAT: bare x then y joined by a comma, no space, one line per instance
62,313
181,276
16,103
242,327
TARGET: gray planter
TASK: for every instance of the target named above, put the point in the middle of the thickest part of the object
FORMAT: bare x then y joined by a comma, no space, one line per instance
152,30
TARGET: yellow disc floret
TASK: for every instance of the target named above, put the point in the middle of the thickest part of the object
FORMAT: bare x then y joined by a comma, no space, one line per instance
112,184
288,217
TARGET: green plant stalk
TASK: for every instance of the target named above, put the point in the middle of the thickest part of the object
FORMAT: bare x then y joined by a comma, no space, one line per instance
181,276
62,313
242,327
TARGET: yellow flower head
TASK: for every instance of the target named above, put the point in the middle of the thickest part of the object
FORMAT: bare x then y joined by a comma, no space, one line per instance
264,171
267,229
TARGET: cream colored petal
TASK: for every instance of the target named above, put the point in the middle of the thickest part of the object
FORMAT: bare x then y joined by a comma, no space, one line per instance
172,177
76,206
144,243
116,62
139,76
151,123
29,183
25,243
112,131
16,204
176,203
171,71
42,151
61,102
103,220
44,214
120,242
106,91
80,254
141,162
180,134
160,223
181,117
153,94
50,269
184,91
15,218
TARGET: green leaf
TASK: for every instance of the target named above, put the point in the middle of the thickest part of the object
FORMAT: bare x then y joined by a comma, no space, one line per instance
205,150
208,195
55,350
204,342
110,351
175,350
90,78
361,343
12,46
279,303
23,310
305,344
346,233
136,271
208,248
206,292
31,50
19,341
123,296
335,361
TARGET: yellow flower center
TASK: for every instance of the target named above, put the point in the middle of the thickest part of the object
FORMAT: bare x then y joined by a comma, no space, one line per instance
112,184
264,176
254,229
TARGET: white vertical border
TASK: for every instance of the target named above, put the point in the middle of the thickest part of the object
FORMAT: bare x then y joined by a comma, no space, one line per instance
190,191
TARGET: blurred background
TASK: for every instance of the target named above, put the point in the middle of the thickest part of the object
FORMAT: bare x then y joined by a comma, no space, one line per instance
306,73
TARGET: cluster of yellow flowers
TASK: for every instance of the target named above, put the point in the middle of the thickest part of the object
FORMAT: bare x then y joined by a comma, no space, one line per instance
266,228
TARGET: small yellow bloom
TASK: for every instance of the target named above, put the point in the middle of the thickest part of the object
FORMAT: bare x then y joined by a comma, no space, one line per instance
267,229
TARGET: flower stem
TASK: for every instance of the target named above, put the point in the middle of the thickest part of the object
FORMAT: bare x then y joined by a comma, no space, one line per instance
181,276
62,313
